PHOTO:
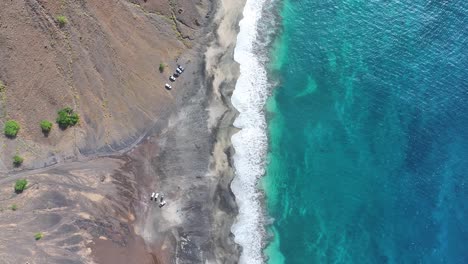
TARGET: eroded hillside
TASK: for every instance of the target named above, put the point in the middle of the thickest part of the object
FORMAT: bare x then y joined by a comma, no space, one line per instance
103,62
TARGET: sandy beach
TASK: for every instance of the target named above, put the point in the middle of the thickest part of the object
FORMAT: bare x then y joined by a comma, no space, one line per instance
94,206
191,158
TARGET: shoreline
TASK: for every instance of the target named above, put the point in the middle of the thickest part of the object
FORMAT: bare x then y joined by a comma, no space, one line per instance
196,224
192,230
250,97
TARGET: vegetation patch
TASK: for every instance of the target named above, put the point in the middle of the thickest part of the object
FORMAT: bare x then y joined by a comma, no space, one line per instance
11,128
20,185
162,66
46,126
38,236
17,160
66,117
14,207
62,20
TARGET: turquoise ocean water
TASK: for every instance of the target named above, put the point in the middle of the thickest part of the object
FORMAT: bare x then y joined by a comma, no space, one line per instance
368,132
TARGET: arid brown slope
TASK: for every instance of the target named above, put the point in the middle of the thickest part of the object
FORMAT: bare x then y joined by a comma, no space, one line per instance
74,208
103,62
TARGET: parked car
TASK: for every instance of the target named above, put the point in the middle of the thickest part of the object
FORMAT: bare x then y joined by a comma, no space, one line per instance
168,87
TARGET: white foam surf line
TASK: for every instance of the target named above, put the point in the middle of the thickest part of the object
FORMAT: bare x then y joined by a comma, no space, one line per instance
250,143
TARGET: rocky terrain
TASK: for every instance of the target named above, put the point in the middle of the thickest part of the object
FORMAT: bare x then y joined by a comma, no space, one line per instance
89,185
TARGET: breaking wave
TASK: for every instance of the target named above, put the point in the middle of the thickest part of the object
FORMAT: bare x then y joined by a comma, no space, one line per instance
250,143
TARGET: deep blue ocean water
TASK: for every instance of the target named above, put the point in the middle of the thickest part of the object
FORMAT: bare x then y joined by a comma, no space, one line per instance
368,132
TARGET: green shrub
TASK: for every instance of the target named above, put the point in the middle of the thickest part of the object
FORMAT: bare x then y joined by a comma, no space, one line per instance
38,236
161,67
74,118
66,117
13,207
62,20
20,185
17,160
46,126
11,128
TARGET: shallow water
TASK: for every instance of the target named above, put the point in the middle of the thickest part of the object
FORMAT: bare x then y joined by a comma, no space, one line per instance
368,133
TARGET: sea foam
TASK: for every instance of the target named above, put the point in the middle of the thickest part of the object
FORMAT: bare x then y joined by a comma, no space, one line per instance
250,143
